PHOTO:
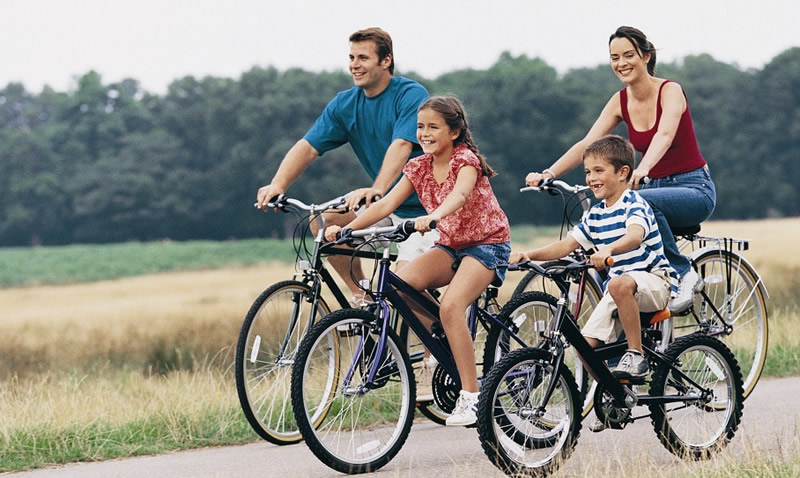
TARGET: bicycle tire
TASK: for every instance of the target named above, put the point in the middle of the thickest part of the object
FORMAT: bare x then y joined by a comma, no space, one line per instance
744,307
680,424
593,292
516,439
530,312
374,434
262,378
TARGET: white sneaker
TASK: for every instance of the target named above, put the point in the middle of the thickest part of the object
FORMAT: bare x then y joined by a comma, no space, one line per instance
690,283
465,413
425,379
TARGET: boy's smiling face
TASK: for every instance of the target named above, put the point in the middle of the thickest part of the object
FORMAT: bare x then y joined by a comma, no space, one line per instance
605,182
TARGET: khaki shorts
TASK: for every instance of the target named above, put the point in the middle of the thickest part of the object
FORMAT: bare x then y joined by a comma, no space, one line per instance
415,245
652,295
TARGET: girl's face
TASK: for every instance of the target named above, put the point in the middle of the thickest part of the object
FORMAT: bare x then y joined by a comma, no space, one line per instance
434,135
625,60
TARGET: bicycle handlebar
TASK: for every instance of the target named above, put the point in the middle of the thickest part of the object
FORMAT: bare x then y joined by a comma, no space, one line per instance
396,233
551,185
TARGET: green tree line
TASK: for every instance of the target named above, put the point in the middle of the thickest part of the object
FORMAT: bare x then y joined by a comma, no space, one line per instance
109,162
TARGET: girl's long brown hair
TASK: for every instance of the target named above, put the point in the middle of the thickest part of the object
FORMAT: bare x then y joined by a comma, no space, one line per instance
451,109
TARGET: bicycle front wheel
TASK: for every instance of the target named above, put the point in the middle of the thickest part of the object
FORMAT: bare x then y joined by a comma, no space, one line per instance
265,352
522,431
735,295
705,372
353,399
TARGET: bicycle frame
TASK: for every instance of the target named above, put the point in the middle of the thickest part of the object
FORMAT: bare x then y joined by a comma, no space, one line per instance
594,359
388,290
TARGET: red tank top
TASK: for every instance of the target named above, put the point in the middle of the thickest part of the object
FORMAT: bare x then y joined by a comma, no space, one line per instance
683,154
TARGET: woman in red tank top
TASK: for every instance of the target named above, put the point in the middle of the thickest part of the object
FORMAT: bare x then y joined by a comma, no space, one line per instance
680,189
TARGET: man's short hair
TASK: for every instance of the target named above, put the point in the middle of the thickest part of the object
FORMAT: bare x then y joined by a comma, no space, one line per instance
615,149
381,39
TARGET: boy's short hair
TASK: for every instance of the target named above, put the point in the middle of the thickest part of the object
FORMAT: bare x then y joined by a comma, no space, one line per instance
615,149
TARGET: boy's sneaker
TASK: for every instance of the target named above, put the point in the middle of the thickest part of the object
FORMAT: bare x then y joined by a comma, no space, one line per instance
690,283
425,380
465,413
632,366
597,426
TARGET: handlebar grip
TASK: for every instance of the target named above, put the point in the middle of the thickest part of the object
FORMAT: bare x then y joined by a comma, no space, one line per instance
374,198
344,233
609,261
272,200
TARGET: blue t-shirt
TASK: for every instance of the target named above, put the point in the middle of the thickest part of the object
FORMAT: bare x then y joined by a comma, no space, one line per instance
370,125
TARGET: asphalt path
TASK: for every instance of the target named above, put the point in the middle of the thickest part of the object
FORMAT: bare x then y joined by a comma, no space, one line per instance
770,426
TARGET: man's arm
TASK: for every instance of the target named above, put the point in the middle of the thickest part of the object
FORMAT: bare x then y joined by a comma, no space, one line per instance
294,163
396,157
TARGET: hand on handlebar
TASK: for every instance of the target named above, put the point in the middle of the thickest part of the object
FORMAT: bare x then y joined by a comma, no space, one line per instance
424,224
601,259
517,256
639,175
536,178
363,196
331,231
267,194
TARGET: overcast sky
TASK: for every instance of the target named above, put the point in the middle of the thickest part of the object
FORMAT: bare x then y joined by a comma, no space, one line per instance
50,42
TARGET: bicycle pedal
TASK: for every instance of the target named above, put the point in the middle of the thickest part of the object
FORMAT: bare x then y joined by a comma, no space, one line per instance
627,379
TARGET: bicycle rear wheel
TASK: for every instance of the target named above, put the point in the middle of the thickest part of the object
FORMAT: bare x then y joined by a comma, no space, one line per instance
697,429
520,433
351,423
733,289
265,352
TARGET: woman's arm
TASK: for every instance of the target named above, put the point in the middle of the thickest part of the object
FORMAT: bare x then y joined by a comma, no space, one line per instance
378,210
465,183
673,104
608,120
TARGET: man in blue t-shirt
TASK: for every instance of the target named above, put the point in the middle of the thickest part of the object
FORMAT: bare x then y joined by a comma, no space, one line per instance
378,117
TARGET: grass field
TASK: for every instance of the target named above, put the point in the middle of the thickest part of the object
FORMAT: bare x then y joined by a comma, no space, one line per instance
141,361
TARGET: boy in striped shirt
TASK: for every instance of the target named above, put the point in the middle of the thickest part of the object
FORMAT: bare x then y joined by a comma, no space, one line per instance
622,226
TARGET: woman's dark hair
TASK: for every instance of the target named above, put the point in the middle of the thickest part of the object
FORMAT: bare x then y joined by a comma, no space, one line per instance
640,42
451,109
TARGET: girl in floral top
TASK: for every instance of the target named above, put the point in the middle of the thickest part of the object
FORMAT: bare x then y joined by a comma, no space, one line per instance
452,181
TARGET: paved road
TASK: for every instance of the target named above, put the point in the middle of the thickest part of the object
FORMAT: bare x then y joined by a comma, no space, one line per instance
771,424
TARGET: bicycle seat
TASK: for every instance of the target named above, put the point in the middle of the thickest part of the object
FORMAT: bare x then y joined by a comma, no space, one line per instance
685,231
652,318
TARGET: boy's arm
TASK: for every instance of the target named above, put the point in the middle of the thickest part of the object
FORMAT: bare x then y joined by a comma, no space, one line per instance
634,236
552,251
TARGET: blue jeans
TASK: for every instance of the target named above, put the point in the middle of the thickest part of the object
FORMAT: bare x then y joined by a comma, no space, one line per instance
680,200
491,256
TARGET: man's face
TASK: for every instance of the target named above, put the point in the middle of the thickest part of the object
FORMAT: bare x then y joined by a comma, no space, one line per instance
368,72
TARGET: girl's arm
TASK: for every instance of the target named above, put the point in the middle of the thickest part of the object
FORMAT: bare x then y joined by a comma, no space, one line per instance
378,210
552,251
608,120
673,104
465,183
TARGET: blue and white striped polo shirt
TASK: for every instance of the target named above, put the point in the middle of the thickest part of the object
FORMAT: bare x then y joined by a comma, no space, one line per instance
605,225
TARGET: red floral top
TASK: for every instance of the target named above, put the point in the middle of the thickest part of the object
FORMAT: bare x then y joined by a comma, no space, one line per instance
479,221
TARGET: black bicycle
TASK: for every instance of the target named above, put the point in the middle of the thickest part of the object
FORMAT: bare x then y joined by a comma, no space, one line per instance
529,411
353,389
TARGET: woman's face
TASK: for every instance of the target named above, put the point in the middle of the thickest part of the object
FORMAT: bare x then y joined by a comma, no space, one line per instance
625,60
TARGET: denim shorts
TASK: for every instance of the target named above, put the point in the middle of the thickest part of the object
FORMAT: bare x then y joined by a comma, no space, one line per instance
492,256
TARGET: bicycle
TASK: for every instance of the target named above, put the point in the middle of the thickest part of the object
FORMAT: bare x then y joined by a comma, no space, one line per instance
734,296
280,317
352,391
529,415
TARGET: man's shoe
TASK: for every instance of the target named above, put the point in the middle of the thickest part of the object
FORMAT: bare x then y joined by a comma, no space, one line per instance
632,366
690,283
465,413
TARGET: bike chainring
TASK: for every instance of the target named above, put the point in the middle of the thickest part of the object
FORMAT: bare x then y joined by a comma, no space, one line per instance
609,414
445,390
